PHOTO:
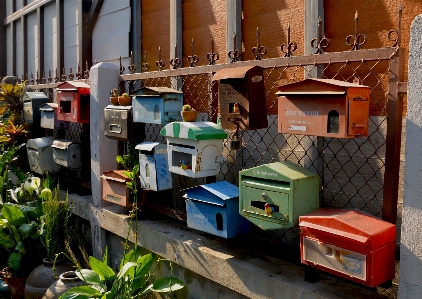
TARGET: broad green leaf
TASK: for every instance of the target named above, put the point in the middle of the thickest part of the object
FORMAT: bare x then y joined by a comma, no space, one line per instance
84,291
145,262
26,229
138,283
102,269
148,290
14,233
167,285
108,295
73,296
20,247
130,256
14,260
89,276
105,256
14,215
7,241
125,268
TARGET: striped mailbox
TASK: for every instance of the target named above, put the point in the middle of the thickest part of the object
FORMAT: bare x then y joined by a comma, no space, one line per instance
194,148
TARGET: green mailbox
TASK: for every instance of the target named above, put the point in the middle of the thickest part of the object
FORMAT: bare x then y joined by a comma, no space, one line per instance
273,196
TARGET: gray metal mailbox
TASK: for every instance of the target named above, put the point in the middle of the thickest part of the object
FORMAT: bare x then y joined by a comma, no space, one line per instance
67,153
31,103
49,117
118,122
40,155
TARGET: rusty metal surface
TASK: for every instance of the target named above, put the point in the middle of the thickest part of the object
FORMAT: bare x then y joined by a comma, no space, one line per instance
358,39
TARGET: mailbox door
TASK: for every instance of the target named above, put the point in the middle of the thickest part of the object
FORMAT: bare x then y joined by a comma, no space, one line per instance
358,116
66,98
117,124
147,171
47,119
34,161
148,109
116,192
253,201
27,112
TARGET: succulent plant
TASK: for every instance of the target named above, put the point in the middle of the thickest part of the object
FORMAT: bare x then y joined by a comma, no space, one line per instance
125,95
114,92
186,108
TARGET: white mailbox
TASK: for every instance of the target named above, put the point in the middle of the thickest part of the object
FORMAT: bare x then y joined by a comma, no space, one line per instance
194,148
67,153
49,117
153,166
40,155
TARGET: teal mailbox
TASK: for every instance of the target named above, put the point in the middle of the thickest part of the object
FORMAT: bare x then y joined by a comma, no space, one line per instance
212,208
273,196
31,103
157,105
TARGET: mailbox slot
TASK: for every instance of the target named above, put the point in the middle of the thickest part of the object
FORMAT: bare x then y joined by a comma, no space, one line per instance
241,95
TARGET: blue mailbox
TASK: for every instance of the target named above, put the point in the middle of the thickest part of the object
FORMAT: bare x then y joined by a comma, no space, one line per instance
214,208
157,105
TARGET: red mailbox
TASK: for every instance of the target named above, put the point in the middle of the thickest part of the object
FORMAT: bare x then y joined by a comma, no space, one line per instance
350,244
73,101
324,107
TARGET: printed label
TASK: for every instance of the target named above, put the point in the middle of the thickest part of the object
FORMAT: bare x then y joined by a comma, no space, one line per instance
259,172
297,128
256,79
301,113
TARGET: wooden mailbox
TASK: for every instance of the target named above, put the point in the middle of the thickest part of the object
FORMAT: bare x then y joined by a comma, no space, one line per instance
213,208
273,196
49,117
40,155
324,107
115,189
241,95
73,99
31,103
194,148
157,105
118,122
67,153
350,244
153,166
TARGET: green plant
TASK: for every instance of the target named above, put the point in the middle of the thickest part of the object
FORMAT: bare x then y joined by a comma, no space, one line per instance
11,93
132,281
6,159
20,237
125,95
186,108
114,92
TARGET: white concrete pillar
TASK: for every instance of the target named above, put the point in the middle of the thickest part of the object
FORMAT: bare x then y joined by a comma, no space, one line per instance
103,78
410,285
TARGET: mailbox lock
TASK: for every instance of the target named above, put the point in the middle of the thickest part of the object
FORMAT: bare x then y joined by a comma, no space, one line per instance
264,196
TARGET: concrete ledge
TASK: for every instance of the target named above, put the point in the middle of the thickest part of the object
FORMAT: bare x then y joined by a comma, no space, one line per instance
247,273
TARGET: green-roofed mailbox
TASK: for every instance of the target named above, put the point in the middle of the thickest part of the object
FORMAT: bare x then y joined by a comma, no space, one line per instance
273,196
194,148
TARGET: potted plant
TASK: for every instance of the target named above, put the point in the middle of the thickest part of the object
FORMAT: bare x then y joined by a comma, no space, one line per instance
188,113
125,100
114,97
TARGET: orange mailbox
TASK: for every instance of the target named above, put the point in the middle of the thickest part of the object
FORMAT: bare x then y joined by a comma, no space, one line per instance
324,107
73,101
350,244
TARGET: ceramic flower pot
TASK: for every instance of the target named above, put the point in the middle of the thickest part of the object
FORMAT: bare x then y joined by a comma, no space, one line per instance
67,280
125,101
114,101
189,115
16,286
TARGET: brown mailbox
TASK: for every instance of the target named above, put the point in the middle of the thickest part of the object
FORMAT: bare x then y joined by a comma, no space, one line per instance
324,107
241,95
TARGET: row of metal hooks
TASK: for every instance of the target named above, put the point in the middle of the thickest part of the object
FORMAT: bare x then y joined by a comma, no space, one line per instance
319,44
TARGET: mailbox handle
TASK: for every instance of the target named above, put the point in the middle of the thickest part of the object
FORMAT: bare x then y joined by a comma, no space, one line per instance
115,128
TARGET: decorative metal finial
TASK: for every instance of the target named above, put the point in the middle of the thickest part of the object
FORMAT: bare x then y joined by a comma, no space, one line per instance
56,78
71,76
36,79
212,57
290,47
320,43
145,65
193,59
78,74
122,68
49,76
32,79
132,66
355,40
259,50
175,61
64,75
234,54
397,32
43,77
86,73
159,63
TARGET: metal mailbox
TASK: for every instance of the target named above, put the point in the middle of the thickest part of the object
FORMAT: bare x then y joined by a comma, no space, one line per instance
40,155
194,148
157,105
213,208
350,244
154,167
49,118
114,188
241,94
273,196
324,107
118,122
31,103
67,153
73,99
